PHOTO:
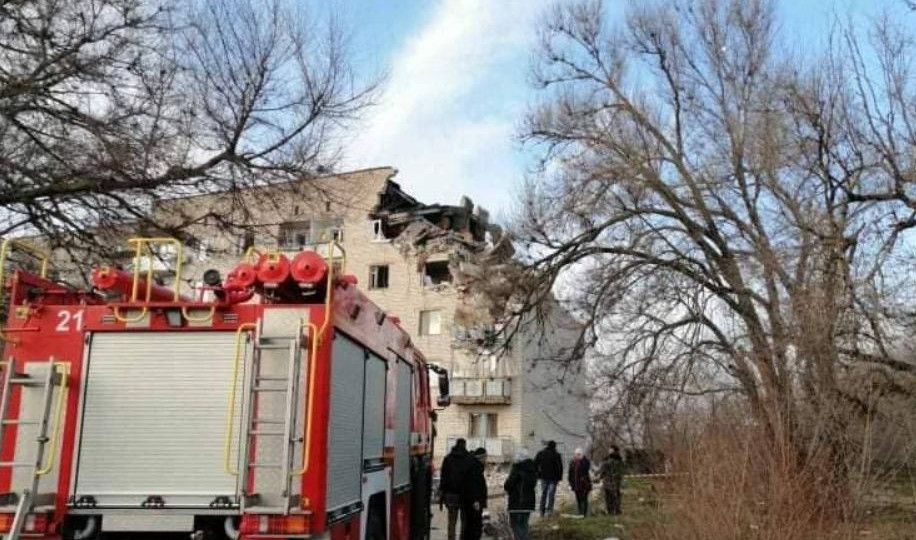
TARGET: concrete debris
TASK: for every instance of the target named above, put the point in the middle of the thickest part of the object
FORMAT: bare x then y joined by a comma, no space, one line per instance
478,254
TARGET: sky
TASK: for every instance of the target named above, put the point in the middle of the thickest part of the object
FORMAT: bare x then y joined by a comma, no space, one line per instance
456,86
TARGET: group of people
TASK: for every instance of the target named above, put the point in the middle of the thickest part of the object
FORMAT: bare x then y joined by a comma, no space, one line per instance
463,488
610,473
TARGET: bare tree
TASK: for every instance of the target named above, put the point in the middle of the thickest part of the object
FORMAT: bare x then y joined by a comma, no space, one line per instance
107,106
726,218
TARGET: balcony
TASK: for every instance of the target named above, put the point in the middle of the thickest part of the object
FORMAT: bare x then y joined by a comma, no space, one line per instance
478,391
499,449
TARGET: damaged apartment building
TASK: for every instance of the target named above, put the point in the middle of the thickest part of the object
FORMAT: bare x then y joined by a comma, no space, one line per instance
416,261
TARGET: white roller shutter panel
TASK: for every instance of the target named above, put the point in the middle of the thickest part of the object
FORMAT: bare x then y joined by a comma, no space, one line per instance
345,466
403,408
154,418
374,409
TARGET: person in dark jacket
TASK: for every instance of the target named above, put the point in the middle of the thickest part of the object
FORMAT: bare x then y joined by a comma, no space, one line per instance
612,479
475,497
549,466
580,480
520,487
453,483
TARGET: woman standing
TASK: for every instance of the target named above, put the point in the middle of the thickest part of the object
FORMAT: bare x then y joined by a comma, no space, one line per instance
520,486
580,481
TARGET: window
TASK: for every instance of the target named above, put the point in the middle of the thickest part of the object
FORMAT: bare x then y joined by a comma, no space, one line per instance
203,251
430,322
436,272
378,231
295,235
378,276
165,252
244,242
327,230
483,425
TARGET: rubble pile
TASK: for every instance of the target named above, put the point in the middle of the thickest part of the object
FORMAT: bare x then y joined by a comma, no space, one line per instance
479,254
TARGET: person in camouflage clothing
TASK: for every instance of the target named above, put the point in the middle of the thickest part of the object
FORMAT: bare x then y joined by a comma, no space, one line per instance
611,473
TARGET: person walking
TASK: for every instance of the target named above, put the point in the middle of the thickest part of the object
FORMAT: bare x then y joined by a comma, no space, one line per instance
520,487
452,485
475,497
612,480
579,480
549,466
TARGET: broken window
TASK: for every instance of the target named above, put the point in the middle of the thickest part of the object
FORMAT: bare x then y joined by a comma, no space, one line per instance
431,322
378,276
378,231
436,272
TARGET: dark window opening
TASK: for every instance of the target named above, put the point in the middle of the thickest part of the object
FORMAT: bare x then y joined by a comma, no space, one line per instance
436,272
246,241
378,276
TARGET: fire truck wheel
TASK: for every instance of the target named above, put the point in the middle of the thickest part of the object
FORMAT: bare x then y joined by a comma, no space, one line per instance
211,528
81,528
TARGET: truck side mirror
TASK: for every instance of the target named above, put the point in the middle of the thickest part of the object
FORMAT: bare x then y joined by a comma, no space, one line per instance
444,398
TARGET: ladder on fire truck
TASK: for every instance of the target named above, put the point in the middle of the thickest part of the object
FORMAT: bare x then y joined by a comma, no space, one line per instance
46,438
262,427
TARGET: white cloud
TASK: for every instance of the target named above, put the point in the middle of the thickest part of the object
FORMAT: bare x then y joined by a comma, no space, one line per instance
456,90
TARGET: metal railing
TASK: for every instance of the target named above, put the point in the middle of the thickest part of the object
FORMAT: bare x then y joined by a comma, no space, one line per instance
144,252
7,247
483,390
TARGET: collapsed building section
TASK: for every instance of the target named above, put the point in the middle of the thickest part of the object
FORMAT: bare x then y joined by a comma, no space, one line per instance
454,245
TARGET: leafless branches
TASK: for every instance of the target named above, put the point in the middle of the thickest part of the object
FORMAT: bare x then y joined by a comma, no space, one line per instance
109,105
721,216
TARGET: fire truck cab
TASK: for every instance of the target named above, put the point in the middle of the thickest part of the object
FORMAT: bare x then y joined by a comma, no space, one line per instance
278,402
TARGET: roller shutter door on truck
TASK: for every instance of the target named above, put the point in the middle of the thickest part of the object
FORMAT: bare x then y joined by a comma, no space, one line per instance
403,405
154,418
345,424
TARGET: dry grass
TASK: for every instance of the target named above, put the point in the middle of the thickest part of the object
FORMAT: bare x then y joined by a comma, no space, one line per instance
738,486
733,488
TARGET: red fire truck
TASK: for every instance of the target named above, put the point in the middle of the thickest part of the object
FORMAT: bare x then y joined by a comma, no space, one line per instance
278,402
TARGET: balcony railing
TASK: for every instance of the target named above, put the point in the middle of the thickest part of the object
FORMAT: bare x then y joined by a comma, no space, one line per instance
499,449
480,391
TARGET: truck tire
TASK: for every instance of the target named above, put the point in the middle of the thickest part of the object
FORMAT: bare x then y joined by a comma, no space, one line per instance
74,528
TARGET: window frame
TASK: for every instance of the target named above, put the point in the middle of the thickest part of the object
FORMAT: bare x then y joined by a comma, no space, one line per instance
428,325
374,276
244,241
483,425
290,233
439,266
